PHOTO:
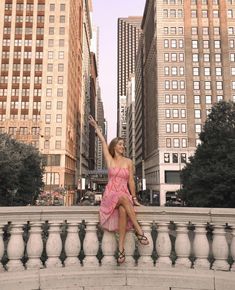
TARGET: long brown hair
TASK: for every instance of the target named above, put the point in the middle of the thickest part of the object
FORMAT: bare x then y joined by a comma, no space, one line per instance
112,145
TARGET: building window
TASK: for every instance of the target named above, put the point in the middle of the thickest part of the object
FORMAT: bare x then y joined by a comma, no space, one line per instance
194,44
219,85
194,31
205,43
168,128
167,99
217,43
196,71
60,79
60,92
57,144
59,118
62,7
207,71
62,30
183,128
167,113
48,105
183,113
196,85
207,85
206,57
58,131
198,128
176,143
59,105
49,80
197,114
176,128
48,118
208,99
175,113
168,142
166,157
197,99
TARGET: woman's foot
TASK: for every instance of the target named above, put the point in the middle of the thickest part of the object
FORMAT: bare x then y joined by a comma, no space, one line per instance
121,256
142,239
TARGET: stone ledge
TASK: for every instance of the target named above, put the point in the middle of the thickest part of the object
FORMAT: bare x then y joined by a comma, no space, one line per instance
131,278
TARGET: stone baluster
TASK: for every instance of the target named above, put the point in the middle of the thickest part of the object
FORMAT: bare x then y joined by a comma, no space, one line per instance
54,245
163,246
146,251
15,248
91,245
182,246
35,246
232,248
129,247
1,246
220,249
201,247
109,246
72,245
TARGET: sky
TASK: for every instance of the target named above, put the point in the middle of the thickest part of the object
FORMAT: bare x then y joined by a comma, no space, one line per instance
105,16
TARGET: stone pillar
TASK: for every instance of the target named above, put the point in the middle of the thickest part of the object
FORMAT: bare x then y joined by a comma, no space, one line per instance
163,246
145,259
72,245
54,245
182,246
129,247
201,247
35,246
15,248
1,246
232,248
109,246
91,245
220,249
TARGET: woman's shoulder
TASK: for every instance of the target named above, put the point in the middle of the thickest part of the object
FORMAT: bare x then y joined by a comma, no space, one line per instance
128,161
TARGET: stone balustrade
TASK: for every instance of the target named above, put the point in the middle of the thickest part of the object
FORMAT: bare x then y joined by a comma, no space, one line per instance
37,237
34,238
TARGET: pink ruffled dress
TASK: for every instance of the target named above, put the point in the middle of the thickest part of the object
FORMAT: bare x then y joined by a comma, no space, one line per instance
116,187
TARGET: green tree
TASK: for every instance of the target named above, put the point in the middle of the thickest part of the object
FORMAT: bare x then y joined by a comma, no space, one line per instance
21,172
208,180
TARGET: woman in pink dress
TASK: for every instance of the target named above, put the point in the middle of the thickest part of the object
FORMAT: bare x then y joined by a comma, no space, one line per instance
117,206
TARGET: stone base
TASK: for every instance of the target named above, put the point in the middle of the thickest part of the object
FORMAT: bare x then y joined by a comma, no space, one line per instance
117,278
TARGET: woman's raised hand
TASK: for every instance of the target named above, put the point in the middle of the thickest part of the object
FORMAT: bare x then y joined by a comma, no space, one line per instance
92,121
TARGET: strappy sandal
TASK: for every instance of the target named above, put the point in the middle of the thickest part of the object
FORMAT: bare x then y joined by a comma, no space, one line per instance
121,257
142,239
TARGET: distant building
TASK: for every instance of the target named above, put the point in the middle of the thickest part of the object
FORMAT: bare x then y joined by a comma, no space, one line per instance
128,38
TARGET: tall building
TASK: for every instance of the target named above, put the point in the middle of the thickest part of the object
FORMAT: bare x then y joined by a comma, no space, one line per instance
130,129
128,38
40,81
189,64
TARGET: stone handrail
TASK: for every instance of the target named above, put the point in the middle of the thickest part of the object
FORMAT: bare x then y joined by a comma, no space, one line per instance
36,237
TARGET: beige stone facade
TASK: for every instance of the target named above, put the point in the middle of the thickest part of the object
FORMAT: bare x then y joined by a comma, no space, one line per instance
188,65
40,82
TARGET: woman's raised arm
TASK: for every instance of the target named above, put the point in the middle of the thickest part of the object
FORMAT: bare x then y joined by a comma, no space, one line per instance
106,153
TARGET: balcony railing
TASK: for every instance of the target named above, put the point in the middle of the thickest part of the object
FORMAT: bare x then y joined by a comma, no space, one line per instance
33,238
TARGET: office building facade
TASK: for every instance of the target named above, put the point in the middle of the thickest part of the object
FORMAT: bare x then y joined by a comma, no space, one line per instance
189,64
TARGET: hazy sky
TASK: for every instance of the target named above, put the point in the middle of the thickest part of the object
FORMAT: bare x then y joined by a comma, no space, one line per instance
105,15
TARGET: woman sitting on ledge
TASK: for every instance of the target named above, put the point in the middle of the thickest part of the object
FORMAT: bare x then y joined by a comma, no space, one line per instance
117,206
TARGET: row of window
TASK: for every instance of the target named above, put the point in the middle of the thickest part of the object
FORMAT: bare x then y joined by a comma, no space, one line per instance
172,2
173,30
173,13
30,7
28,42
34,118
175,128
175,113
173,43
57,144
36,105
174,85
48,118
27,67
26,92
215,13
175,158
195,44
176,142
29,30
28,54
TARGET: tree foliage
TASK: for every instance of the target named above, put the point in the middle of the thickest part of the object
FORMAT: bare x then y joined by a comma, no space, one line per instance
208,180
21,172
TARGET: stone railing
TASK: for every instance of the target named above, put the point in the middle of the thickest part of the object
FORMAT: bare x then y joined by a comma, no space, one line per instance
49,237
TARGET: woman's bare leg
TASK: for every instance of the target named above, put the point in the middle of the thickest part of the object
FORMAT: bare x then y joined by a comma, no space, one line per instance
125,202
122,222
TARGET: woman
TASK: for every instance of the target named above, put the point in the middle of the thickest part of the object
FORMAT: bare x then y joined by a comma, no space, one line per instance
117,206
